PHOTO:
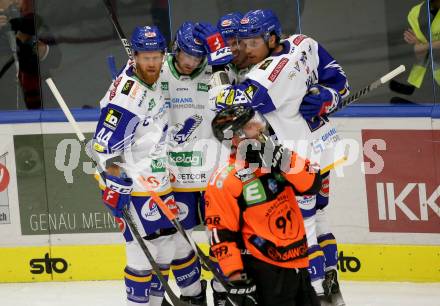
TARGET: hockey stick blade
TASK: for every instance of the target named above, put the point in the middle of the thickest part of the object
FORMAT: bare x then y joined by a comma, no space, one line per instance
126,214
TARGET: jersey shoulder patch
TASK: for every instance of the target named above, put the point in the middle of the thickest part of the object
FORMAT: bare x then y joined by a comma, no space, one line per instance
220,175
245,174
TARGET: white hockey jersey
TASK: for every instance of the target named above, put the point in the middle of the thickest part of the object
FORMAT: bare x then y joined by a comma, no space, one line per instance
192,149
236,75
133,124
276,87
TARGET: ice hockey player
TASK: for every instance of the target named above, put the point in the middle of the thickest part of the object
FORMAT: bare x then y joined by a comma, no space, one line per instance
228,26
133,126
257,231
292,82
185,76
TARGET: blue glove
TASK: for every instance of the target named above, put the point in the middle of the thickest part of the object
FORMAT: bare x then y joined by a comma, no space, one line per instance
218,52
319,101
116,195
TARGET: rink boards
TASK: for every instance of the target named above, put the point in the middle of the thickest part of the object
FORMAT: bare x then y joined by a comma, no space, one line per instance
105,262
384,207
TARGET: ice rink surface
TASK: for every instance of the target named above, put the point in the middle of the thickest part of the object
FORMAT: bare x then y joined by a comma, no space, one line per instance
111,293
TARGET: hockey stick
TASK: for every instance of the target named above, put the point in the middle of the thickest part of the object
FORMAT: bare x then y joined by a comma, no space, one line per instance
199,253
153,194
111,12
126,214
354,97
165,209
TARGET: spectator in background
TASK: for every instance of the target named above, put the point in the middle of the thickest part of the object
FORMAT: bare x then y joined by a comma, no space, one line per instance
19,18
418,36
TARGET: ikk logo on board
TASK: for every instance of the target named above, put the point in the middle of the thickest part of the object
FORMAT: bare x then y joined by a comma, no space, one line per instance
404,196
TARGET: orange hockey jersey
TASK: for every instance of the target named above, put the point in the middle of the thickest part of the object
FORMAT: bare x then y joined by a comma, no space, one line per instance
257,213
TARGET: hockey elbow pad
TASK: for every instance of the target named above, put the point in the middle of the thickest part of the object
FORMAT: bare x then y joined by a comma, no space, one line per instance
115,129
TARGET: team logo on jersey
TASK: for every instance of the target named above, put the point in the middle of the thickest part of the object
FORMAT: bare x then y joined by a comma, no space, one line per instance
151,104
265,64
277,70
244,21
142,98
299,39
184,131
115,86
164,85
272,185
202,87
127,87
254,193
112,118
158,165
135,90
316,124
250,91
245,174
185,159
231,96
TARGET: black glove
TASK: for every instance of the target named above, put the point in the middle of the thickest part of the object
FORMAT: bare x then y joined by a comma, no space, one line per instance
276,157
243,292
253,152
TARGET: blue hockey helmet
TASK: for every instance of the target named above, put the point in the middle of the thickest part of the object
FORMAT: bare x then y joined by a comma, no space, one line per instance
186,41
259,23
228,24
148,38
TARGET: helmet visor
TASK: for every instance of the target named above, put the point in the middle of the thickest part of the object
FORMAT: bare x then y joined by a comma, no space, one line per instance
255,128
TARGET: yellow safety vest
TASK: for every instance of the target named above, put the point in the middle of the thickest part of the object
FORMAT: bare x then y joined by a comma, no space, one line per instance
418,71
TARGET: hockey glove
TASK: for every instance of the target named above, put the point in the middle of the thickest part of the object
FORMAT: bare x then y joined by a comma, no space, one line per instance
243,292
218,52
116,195
319,101
276,157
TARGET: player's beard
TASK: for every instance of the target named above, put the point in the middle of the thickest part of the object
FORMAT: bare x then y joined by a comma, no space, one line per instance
147,76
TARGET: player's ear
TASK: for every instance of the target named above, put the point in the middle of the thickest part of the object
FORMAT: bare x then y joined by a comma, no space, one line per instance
272,41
